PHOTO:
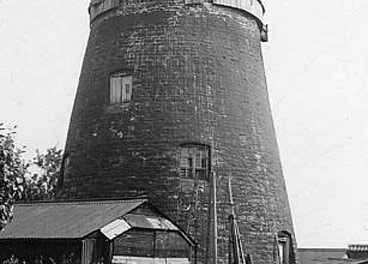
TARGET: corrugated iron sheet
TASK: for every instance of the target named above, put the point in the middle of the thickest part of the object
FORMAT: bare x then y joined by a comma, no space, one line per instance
151,222
115,228
145,260
254,7
65,220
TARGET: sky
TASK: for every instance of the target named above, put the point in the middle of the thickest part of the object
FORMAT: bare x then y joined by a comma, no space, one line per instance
317,72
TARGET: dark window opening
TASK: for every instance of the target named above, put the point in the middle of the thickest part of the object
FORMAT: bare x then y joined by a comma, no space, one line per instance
152,244
195,162
135,243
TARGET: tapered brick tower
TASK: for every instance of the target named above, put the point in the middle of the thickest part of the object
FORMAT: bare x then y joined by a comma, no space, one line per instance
172,92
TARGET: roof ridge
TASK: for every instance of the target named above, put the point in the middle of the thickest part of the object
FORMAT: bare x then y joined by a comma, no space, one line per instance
65,202
322,249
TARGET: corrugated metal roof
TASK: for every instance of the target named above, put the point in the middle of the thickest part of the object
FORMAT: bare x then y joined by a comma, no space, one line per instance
65,219
121,225
150,222
115,228
323,256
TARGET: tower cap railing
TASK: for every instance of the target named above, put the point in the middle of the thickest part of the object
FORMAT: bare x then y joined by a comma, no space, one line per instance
358,247
254,7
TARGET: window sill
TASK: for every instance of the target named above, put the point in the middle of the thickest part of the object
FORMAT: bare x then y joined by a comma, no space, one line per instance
193,180
117,107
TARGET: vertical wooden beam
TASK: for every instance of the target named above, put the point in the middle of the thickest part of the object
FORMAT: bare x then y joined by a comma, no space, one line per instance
111,249
214,213
209,225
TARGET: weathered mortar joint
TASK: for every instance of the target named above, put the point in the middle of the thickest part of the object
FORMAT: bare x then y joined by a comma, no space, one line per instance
197,79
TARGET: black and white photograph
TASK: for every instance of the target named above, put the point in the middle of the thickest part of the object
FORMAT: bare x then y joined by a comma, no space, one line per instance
183,132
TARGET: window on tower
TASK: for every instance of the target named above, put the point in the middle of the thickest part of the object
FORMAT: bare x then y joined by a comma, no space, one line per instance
63,170
120,88
195,162
284,248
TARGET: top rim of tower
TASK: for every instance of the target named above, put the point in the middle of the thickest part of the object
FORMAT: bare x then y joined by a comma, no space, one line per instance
254,7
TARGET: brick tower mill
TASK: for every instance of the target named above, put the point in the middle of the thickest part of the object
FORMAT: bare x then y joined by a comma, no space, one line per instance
171,94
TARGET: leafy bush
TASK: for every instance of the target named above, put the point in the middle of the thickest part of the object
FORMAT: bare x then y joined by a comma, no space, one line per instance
17,181
12,171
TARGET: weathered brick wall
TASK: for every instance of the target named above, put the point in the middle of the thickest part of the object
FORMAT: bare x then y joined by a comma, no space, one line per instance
198,76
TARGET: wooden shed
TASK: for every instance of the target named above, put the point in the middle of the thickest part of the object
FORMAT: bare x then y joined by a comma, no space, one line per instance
113,231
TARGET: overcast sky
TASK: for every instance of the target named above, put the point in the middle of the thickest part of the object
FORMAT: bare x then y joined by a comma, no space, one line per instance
317,70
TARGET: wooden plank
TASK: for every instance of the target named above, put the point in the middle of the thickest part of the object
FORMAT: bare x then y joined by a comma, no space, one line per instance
143,260
251,6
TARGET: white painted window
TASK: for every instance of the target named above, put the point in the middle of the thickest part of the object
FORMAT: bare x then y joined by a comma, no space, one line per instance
120,88
283,243
64,167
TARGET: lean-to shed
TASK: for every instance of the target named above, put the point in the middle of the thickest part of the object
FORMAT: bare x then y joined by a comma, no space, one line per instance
108,231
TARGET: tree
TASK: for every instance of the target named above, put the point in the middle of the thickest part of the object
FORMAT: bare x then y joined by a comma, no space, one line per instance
42,184
25,181
12,171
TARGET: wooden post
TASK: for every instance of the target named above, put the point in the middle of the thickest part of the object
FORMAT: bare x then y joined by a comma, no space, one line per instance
232,224
214,213
209,226
239,256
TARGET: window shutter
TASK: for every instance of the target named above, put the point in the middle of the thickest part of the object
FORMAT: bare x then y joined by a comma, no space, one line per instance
115,89
112,90
120,89
122,97
128,88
